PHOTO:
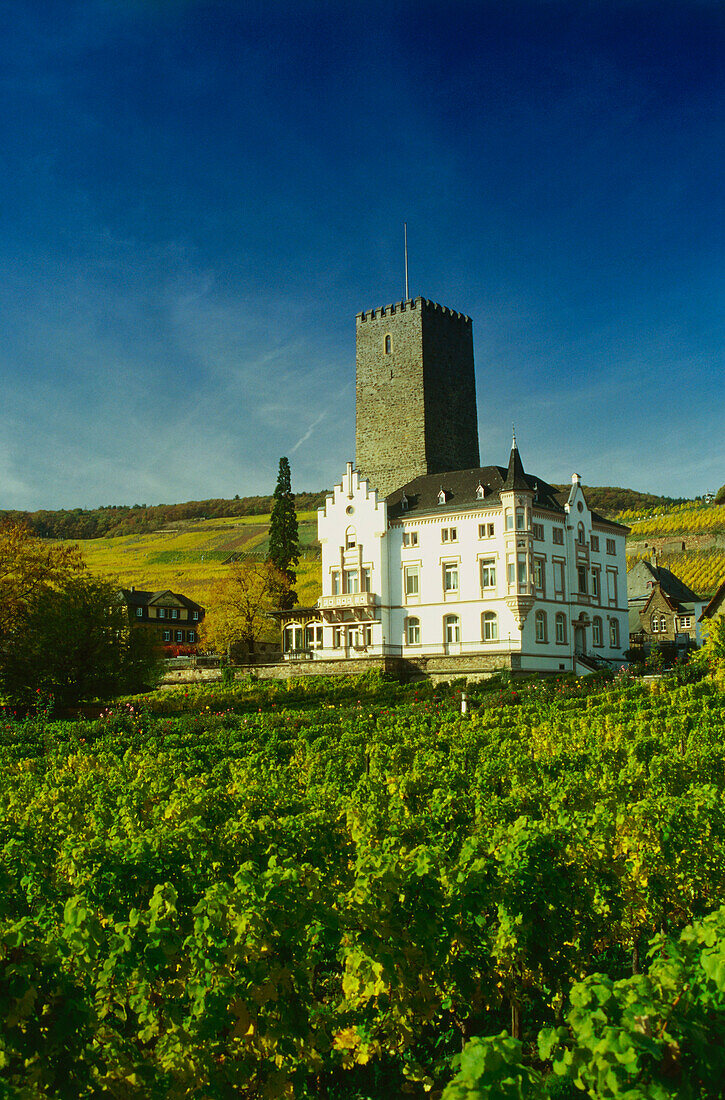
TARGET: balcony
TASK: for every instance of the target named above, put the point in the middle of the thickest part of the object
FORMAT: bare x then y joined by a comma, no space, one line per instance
347,601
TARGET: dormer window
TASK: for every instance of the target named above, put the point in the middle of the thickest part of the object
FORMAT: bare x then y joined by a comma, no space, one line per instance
442,497
480,491
388,344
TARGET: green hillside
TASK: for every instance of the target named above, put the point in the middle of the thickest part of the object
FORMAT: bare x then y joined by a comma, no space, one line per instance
187,553
189,556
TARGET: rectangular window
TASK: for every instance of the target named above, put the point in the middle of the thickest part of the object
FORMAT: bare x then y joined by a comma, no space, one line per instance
413,632
519,519
366,580
335,583
352,582
614,633
510,572
559,579
558,536
560,629
611,548
685,622
539,575
597,631
521,570
411,574
538,529
195,616
486,530
540,623
612,586
367,634
174,613
595,583
162,613
488,573
167,635
581,573
410,538
139,613
450,577
337,637
449,534
191,636
509,520
594,543
179,635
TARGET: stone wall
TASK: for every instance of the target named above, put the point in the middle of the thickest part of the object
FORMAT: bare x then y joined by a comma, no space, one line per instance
416,405
453,667
389,405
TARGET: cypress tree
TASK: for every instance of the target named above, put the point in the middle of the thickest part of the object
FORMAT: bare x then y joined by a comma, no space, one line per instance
284,538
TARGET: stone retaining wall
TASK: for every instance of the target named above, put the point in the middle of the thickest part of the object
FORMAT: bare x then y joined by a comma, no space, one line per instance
439,668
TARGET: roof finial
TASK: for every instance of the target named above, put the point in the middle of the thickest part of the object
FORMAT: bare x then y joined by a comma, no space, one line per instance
513,443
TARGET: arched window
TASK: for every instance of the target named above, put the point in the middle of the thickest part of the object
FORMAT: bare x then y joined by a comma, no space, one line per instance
561,628
388,344
614,633
412,631
655,624
663,625
489,626
580,534
452,628
350,538
540,624
293,635
597,630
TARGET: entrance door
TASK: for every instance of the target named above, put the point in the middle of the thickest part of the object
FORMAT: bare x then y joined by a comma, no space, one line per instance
580,640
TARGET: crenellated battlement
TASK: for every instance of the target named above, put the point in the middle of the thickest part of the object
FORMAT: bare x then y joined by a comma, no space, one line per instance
424,304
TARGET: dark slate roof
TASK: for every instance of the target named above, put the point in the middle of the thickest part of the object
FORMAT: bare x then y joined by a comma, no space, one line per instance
671,585
714,603
460,487
134,597
515,476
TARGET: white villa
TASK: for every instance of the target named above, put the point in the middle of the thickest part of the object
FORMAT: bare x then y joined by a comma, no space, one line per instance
465,572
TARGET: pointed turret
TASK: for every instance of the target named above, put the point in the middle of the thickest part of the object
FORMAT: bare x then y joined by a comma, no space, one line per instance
515,476
517,500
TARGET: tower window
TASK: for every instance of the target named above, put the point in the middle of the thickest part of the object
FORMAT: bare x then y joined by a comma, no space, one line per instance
388,344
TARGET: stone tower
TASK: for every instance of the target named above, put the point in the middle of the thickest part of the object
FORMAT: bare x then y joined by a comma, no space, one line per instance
416,393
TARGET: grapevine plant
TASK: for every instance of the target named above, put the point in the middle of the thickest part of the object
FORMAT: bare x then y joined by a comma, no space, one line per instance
352,890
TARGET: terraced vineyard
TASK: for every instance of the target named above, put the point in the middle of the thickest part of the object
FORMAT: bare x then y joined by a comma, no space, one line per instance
324,889
188,557
689,540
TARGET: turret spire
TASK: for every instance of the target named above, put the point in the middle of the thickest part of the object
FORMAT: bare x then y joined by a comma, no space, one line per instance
515,476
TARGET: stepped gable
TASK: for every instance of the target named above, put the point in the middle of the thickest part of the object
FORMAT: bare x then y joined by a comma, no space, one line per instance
461,489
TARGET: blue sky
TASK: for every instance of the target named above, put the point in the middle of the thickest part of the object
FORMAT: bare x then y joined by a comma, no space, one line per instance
198,197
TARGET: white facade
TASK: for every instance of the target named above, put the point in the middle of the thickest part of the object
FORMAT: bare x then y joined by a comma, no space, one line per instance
508,575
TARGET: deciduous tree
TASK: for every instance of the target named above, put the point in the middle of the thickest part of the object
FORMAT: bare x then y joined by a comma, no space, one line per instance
239,607
28,568
74,642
